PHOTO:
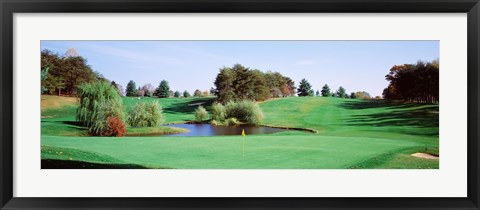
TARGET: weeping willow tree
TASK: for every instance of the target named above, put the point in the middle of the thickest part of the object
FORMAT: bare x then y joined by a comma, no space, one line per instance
145,115
99,101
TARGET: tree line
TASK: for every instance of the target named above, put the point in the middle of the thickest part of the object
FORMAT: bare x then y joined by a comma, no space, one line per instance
63,74
238,83
162,91
417,82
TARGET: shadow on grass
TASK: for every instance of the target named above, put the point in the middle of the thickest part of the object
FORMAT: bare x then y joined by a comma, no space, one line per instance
188,106
368,104
396,114
74,123
72,164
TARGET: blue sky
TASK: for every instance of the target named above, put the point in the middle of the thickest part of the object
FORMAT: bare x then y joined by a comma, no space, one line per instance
190,65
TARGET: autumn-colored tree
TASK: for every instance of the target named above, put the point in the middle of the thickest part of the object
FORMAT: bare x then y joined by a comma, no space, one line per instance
414,82
241,83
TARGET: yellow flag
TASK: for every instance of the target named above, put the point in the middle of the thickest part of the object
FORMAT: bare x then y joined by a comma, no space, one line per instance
243,132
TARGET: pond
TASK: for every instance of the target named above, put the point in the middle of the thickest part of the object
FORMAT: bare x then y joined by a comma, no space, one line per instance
221,130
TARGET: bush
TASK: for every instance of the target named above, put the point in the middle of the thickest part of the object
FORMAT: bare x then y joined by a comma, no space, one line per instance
214,122
105,111
201,114
115,127
232,121
245,111
98,102
145,115
218,112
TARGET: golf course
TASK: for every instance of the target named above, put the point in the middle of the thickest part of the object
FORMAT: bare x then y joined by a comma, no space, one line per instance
239,104
321,133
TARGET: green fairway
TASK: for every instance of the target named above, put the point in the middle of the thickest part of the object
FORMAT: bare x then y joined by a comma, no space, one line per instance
351,133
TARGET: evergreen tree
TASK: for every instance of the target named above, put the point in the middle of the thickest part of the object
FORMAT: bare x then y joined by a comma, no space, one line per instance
186,94
317,93
163,90
176,94
352,95
132,89
326,91
305,89
341,92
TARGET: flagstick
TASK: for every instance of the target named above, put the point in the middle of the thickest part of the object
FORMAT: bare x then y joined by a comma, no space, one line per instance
243,147
243,144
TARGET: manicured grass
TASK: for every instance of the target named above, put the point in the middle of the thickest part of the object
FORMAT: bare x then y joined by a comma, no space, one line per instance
226,151
351,134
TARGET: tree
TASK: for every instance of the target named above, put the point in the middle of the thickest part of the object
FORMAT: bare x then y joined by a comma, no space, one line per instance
362,95
100,109
305,89
341,92
205,93
66,73
71,53
197,93
279,85
43,76
163,90
148,90
145,114
326,91
213,91
352,95
201,114
241,83
224,85
118,87
260,89
176,94
186,94
140,92
417,82
132,89
317,93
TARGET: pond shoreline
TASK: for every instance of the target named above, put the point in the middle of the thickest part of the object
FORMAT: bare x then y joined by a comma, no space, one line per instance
263,125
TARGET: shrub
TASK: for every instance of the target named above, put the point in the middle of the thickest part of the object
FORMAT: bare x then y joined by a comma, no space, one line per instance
98,102
201,114
115,127
232,121
145,115
214,122
105,110
218,112
245,111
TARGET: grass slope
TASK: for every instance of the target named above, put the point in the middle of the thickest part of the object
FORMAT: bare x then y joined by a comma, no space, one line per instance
351,134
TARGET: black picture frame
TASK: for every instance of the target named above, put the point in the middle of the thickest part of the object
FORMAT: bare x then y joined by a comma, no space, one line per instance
10,7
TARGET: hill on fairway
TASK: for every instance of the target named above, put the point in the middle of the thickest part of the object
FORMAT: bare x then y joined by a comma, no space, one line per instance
352,133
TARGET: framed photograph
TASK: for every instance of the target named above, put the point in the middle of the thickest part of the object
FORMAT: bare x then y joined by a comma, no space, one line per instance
239,105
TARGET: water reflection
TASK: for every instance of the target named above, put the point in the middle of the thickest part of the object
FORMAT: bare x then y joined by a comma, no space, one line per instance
221,130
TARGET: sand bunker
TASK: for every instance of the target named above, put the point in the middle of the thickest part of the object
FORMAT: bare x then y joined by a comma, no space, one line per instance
425,155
